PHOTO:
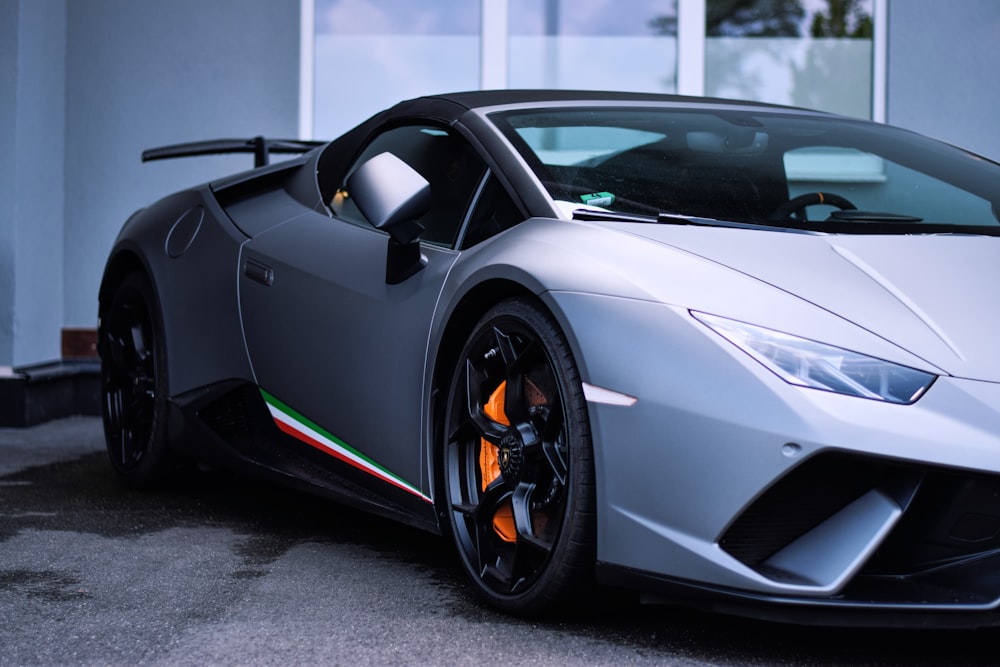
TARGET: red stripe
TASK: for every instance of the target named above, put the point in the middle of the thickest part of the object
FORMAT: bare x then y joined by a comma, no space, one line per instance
299,435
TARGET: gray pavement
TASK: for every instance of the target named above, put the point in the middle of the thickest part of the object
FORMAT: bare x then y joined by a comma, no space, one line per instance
224,570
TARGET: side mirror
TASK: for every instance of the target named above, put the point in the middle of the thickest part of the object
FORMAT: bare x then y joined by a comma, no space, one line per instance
393,196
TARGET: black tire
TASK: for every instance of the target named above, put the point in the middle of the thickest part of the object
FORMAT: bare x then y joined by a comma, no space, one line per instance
134,385
524,525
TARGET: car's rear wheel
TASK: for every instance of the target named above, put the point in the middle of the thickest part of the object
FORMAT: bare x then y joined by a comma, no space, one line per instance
134,384
518,463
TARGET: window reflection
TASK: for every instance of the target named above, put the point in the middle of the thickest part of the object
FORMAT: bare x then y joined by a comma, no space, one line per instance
812,53
370,54
601,44
753,18
396,17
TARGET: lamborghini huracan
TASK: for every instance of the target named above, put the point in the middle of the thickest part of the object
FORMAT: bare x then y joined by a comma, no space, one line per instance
731,355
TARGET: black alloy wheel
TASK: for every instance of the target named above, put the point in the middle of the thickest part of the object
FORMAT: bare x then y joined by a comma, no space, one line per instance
133,384
518,463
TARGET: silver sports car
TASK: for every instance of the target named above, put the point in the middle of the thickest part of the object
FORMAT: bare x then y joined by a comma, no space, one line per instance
732,355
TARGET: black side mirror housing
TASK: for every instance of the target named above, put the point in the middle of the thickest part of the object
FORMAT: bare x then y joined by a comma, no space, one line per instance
393,196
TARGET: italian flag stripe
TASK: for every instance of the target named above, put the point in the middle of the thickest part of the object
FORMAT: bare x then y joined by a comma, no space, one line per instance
299,427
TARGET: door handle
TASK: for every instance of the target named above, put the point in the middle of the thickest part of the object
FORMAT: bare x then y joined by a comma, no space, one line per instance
261,273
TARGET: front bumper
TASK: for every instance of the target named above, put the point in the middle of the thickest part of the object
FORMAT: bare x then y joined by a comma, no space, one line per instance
937,564
849,610
724,484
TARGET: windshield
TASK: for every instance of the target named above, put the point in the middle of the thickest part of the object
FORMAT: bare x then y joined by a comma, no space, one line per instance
780,169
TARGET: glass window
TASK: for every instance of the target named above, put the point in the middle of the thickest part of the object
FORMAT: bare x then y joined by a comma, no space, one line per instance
811,53
366,55
753,166
583,143
447,161
872,183
599,44
370,54
494,212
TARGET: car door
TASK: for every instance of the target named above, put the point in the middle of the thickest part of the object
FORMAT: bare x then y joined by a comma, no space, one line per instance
337,350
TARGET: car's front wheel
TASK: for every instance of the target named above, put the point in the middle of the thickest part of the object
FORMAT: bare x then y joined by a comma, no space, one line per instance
518,464
134,384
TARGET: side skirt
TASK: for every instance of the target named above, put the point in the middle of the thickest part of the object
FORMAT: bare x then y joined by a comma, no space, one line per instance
232,424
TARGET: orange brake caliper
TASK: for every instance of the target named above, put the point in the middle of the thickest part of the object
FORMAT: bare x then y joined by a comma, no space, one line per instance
489,465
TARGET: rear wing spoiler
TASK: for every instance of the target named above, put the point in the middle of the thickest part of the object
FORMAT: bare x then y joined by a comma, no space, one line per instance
259,146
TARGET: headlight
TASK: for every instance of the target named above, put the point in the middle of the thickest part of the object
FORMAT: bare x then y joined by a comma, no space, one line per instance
810,364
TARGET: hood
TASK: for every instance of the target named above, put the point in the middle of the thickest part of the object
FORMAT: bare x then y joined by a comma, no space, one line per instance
935,296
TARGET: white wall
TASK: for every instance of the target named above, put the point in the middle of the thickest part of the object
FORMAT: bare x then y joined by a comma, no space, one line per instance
942,65
32,80
9,13
86,86
147,73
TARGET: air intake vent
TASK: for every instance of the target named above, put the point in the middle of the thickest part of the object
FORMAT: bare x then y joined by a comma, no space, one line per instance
806,497
228,416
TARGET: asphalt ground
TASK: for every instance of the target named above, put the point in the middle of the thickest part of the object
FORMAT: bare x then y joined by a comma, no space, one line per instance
226,570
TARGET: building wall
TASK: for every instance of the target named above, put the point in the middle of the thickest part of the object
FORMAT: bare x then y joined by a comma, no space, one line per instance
32,78
145,74
9,13
942,61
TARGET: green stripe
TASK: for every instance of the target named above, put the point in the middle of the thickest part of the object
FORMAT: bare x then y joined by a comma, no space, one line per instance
302,419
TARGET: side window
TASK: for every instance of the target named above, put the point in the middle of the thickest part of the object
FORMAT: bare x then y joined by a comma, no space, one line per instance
495,211
445,159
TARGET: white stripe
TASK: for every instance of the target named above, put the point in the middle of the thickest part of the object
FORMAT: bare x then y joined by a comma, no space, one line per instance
322,439
284,418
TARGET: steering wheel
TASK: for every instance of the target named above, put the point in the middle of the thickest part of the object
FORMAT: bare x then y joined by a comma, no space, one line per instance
796,207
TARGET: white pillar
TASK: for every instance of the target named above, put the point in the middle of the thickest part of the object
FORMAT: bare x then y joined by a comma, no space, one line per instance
691,47
493,48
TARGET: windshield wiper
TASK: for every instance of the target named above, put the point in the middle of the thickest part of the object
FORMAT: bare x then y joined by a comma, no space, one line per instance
671,218
594,214
862,223
663,217
681,219
853,215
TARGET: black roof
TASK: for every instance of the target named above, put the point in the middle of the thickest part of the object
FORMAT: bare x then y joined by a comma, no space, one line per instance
473,99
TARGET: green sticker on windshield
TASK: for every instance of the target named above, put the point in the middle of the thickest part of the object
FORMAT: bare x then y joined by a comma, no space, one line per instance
598,199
